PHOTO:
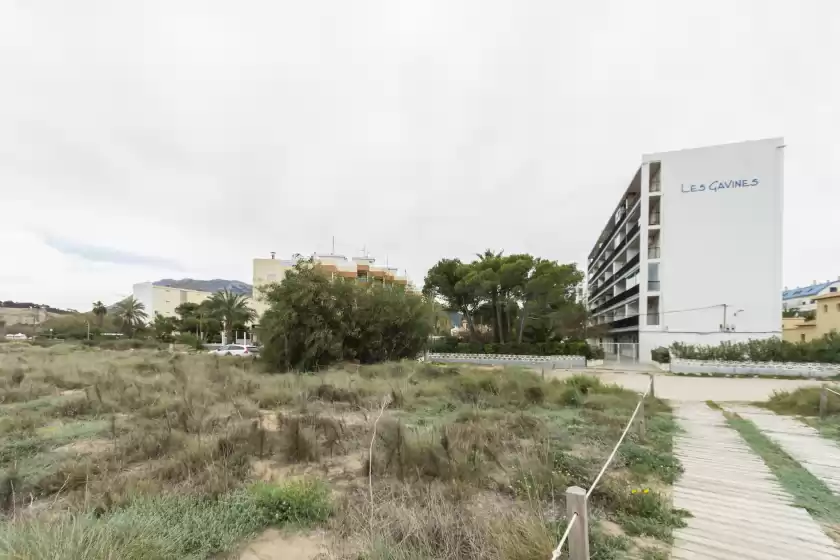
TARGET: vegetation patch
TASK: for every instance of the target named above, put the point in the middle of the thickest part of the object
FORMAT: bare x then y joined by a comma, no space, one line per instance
166,527
153,454
808,491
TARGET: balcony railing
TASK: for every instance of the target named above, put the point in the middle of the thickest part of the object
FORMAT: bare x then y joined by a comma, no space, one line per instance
624,268
617,249
653,318
656,185
615,299
626,322
653,285
631,204
653,252
654,219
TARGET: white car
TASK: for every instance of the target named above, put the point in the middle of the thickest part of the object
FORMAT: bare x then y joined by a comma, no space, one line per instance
236,350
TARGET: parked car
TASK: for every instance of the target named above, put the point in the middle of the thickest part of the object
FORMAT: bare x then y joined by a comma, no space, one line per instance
237,350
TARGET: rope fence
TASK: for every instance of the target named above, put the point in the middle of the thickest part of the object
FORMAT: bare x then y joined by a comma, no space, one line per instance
824,400
577,531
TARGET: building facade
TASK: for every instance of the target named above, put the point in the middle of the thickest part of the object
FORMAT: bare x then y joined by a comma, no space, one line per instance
826,320
693,251
362,269
803,299
164,300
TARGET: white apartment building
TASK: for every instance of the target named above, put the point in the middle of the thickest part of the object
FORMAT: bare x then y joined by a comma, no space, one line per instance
693,251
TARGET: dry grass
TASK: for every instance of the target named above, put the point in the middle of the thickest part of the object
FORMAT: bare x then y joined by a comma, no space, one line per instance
465,463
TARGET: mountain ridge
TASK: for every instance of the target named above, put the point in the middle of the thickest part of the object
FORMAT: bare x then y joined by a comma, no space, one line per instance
214,285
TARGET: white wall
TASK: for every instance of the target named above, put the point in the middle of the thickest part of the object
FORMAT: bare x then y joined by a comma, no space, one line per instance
144,293
719,244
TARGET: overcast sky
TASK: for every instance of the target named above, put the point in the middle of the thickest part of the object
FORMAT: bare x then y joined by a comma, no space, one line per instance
142,140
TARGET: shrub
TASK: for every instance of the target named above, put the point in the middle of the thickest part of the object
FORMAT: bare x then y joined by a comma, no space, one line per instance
314,321
554,348
299,502
660,355
824,350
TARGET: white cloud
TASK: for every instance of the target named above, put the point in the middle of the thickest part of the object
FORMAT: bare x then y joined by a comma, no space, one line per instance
207,133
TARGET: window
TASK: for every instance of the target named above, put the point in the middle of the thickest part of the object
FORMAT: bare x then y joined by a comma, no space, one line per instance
802,337
804,303
838,307
813,301
832,289
825,308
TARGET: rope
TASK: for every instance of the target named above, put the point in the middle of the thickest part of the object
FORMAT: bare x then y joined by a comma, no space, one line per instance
615,449
557,551
832,391
556,554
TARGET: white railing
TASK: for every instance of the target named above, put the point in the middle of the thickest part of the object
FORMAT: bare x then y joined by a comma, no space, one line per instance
577,531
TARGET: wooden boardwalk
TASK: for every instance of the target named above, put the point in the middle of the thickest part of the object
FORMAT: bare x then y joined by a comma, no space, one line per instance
740,511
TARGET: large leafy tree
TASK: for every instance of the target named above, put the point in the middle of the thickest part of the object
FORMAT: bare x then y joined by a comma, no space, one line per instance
131,314
232,309
525,298
450,281
314,320
99,310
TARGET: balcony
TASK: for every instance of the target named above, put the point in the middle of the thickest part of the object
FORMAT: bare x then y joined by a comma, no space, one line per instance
620,297
619,248
653,318
653,285
654,219
656,185
625,322
631,204
624,268
654,252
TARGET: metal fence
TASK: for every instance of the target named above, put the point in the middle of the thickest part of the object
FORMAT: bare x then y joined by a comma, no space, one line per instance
621,352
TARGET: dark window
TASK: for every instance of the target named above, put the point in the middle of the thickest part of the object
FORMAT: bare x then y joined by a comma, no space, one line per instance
802,337
825,308
832,289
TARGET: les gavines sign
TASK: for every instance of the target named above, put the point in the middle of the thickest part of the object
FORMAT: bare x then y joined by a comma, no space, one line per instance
716,186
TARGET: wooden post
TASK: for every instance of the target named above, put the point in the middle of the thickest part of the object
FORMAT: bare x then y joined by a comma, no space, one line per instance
642,421
579,535
652,387
823,402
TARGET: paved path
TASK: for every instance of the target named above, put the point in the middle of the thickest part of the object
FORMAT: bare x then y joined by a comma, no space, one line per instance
740,510
819,455
698,389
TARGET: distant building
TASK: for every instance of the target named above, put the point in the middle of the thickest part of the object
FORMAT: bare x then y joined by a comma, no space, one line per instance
826,320
804,299
362,269
164,300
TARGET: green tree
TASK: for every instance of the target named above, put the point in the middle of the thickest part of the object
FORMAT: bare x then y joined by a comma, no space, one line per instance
448,280
232,309
314,320
164,327
99,310
788,313
131,314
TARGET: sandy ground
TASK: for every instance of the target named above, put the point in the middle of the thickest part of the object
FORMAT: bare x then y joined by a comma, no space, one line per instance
678,388
276,545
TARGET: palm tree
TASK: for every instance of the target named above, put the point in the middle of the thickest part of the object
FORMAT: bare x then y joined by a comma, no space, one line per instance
231,308
131,313
100,311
